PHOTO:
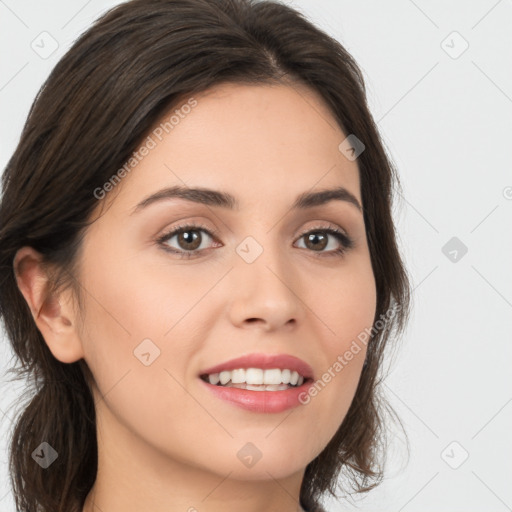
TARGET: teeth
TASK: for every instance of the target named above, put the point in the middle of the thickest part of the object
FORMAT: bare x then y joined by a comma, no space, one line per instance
238,376
272,376
255,376
214,378
257,379
224,377
269,387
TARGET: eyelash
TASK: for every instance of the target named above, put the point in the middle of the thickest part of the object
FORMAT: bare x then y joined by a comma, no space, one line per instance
345,241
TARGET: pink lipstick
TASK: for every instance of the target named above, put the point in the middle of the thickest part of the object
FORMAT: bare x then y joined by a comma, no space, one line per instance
268,383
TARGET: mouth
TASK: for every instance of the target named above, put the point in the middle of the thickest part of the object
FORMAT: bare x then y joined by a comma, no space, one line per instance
260,372
257,379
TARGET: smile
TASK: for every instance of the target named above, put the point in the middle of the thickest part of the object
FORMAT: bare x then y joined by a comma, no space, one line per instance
262,383
256,379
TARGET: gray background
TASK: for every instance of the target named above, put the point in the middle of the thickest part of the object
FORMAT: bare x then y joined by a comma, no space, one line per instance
445,115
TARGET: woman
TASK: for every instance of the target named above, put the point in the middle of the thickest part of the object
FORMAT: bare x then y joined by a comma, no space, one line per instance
200,266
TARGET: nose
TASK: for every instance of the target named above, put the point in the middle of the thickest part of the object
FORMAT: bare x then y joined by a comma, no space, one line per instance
265,292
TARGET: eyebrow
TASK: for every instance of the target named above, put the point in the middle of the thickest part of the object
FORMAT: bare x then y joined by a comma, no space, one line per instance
221,199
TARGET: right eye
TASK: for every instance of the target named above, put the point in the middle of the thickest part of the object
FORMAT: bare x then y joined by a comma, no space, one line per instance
188,238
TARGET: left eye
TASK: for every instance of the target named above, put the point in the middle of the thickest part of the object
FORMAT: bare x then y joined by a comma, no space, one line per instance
318,239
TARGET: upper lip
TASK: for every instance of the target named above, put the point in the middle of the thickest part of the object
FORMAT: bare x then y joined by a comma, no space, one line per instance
264,361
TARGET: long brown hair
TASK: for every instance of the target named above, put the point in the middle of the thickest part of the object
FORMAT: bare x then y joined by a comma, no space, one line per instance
93,111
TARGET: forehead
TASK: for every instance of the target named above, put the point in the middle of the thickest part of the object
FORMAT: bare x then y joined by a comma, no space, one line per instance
261,142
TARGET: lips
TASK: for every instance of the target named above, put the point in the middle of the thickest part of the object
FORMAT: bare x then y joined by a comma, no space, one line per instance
263,361
271,399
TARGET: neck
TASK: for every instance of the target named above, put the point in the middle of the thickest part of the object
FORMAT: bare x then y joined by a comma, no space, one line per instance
132,476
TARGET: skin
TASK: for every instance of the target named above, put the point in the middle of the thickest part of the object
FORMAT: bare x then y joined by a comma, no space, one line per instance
164,442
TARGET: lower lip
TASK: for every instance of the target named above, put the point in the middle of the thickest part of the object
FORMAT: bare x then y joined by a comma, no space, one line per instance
261,401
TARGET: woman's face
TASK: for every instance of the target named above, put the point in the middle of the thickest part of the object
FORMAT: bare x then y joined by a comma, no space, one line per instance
155,319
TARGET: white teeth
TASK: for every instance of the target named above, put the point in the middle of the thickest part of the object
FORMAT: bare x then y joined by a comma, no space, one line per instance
238,376
254,388
269,387
276,387
214,378
285,376
272,376
262,379
224,377
254,376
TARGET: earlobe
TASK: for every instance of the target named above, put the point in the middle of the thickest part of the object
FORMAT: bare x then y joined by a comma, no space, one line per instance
54,315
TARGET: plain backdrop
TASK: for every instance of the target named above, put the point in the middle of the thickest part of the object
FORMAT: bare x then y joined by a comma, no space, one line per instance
439,79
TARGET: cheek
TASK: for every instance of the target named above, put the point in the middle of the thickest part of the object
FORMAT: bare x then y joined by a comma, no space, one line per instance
133,317
347,310
139,338
131,299
345,303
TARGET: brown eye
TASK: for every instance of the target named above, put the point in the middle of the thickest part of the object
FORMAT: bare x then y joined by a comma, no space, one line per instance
316,240
188,240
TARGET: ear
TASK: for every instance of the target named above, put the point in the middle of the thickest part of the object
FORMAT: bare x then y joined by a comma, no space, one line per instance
54,316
